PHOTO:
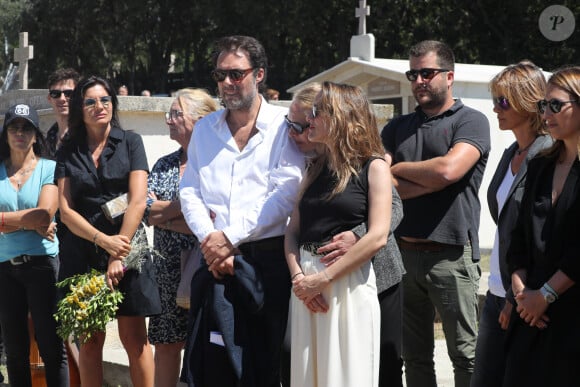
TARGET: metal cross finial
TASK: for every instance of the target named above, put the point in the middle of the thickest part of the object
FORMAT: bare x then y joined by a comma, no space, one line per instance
22,55
362,12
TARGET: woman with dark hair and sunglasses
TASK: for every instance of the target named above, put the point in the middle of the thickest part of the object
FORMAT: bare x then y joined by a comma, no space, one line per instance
98,162
28,249
515,91
335,310
543,341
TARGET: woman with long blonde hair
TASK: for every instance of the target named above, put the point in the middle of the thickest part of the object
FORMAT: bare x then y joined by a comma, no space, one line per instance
335,309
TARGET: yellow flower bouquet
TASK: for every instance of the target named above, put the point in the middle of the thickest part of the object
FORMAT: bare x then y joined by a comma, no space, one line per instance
88,307
90,304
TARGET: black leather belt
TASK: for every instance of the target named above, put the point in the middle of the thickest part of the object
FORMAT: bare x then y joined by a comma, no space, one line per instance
312,247
266,244
422,246
21,259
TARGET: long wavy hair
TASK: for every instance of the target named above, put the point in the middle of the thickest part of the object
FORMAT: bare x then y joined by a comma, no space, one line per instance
353,136
567,79
77,130
523,84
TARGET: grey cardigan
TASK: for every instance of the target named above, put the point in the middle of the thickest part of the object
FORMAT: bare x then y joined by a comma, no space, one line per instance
387,263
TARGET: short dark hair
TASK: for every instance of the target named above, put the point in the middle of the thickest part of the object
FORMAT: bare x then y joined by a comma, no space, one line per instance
445,57
256,52
62,75
77,132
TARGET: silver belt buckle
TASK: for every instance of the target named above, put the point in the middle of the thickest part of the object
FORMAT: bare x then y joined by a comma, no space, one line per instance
20,260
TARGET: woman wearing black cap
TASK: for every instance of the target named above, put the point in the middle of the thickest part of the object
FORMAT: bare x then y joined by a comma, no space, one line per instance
28,249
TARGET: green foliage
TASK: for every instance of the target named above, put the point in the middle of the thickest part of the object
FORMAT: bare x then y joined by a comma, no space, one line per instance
88,306
133,41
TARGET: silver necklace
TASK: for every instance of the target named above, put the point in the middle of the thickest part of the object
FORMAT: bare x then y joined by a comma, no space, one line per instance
21,174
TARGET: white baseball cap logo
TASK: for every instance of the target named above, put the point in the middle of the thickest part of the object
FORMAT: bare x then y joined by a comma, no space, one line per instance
22,110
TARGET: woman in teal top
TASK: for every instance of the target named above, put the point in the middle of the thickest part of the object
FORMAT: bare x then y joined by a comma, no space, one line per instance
28,249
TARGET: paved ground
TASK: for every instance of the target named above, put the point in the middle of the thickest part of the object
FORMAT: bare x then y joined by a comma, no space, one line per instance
116,362
116,359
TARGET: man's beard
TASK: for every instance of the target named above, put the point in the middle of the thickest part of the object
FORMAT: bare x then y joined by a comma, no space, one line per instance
437,98
240,101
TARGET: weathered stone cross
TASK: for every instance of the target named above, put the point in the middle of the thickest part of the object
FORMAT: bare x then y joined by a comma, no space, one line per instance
22,55
362,12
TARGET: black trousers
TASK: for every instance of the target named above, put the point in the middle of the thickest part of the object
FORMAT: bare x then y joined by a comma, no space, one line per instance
259,334
391,362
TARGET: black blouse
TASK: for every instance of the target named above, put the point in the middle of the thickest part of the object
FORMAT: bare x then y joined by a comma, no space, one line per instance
320,218
91,186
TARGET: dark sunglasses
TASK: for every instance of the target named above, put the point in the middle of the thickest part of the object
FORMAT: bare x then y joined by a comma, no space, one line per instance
55,93
425,73
92,102
25,128
236,76
501,102
554,104
295,126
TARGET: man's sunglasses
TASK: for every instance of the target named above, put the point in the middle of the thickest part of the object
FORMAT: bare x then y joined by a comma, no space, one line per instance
554,104
425,73
501,102
236,76
55,93
295,126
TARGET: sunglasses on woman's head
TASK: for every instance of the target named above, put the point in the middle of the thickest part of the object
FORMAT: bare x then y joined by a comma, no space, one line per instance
554,105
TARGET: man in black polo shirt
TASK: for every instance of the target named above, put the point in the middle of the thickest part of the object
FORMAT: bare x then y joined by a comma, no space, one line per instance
438,156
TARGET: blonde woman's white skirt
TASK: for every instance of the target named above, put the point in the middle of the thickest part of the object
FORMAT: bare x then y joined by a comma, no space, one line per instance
339,348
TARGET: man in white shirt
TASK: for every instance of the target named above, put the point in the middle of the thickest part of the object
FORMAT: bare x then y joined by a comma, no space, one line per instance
243,168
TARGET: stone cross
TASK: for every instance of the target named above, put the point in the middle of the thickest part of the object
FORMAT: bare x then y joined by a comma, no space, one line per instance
22,55
361,12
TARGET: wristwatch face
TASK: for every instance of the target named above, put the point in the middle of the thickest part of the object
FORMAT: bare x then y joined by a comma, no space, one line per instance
549,297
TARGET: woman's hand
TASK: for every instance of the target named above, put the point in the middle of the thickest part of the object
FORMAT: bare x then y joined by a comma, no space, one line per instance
118,246
532,307
47,232
115,272
307,287
318,304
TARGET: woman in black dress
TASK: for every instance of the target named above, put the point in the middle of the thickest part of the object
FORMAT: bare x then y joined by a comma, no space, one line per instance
98,162
543,257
